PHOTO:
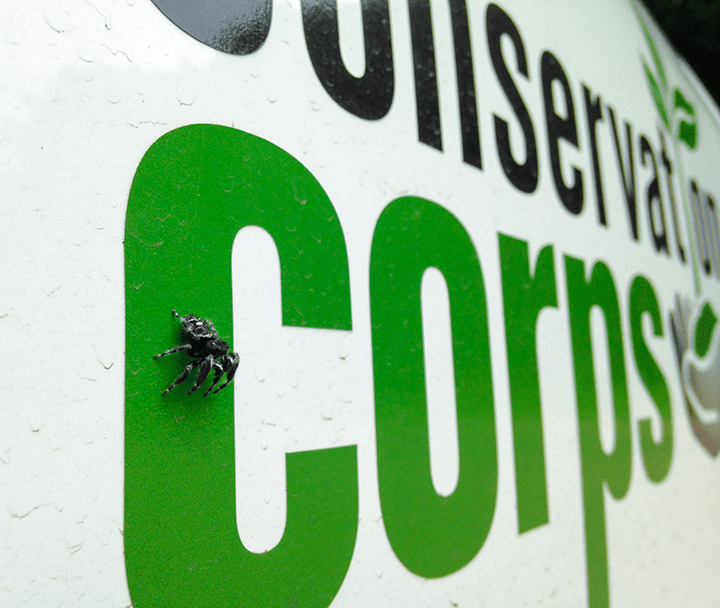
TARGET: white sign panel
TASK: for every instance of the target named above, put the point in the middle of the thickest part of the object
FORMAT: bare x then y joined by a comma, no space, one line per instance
356,303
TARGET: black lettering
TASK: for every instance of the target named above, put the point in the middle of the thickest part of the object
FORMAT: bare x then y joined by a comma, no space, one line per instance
627,176
524,176
426,87
594,113
371,95
466,84
712,221
561,127
656,211
667,165
701,228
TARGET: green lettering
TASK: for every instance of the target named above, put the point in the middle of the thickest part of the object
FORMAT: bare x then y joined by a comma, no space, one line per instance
195,188
598,467
657,456
524,296
432,535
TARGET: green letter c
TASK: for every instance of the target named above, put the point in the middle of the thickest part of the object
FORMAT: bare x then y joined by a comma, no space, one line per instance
195,188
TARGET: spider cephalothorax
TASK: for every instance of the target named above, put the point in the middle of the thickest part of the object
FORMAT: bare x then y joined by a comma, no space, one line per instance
202,342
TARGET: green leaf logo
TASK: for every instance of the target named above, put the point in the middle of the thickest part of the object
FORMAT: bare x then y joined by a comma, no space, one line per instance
676,112
657,94
687,129
704,329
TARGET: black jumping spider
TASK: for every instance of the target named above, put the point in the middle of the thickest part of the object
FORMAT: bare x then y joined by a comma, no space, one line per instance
201,340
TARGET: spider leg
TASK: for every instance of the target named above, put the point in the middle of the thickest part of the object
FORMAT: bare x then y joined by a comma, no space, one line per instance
190,366
219,371
233,360
205,368
177,349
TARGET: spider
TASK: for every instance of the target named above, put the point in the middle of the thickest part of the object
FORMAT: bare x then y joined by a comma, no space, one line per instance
203,343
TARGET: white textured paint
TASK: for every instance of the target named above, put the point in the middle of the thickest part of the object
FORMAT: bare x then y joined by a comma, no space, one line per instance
440,383
87,86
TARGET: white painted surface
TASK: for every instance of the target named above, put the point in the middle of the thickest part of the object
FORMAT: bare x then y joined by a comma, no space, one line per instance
87,86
